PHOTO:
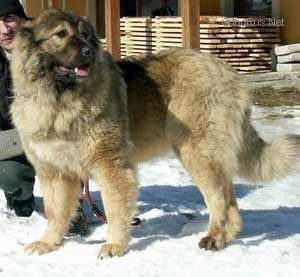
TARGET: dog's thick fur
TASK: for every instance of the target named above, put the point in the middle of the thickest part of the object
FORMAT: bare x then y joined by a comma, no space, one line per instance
92,128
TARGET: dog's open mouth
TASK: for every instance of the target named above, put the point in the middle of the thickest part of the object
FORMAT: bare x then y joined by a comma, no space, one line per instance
81,71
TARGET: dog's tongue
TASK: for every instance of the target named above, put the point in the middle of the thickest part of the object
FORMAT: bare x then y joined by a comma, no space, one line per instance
82,71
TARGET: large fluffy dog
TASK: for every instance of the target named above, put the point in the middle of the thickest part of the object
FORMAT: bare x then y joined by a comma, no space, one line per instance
77,121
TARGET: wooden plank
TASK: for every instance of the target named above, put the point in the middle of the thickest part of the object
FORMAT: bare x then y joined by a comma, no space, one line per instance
287,49
238,31
139,40
137,19
230,50
112,27
233,46
138,46
137,51
294,57
171,44
168,25
153,34
292,67
236,20
242,55
213,26
190,23
140,35
240,59
136,24
171,30
249,63
125,30
248,35
168,19
234,41
253,68
170,35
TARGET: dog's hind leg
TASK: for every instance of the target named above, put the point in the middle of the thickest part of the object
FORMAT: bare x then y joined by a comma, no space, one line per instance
61,198
213,181
118,185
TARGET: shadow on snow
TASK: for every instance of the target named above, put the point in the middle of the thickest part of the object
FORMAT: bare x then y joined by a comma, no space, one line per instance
184,213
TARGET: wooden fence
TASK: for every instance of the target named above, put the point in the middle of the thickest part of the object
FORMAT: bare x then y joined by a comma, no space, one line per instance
245,43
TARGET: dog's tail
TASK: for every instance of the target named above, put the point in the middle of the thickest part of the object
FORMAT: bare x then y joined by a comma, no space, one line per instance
261,161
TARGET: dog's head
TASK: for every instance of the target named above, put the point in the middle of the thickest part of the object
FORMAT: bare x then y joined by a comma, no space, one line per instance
66,43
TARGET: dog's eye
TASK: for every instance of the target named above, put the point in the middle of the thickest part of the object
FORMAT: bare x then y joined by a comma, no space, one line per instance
62,34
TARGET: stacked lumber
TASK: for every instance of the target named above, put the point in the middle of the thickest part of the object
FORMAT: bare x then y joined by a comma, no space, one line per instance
245,43
246,47
168,32
288,57
137,36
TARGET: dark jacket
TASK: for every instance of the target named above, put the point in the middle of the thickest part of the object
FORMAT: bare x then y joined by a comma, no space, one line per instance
5,93
17,174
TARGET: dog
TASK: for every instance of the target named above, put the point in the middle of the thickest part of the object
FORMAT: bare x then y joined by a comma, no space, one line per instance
81,115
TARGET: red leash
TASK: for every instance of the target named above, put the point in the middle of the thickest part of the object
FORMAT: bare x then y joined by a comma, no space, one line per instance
99,214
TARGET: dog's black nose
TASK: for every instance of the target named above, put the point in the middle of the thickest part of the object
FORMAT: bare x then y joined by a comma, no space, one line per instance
86,51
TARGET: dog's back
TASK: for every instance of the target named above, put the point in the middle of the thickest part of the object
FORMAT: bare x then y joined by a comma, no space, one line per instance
181,94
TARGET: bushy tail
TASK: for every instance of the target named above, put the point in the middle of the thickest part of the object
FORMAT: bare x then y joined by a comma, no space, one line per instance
261,161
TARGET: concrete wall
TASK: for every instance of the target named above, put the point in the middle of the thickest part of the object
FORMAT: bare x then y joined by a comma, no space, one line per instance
290,11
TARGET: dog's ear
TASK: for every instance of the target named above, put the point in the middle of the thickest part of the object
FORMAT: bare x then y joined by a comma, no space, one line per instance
85,25
24,36
93,39
26,52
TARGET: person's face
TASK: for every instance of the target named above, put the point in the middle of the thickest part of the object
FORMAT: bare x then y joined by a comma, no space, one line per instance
8,26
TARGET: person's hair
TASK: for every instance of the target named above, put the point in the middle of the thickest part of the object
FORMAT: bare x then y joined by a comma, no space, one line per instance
12,7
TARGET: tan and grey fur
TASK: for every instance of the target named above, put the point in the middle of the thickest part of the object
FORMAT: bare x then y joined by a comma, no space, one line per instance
178,99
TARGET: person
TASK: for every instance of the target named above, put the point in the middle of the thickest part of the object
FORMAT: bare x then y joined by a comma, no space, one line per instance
163,11
17,175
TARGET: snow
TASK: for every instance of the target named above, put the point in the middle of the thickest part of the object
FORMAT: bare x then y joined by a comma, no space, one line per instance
175,218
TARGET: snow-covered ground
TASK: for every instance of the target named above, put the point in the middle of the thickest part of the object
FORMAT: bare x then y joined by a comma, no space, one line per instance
175,219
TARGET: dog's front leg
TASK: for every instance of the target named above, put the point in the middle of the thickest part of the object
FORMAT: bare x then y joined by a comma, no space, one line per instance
118,185
61,198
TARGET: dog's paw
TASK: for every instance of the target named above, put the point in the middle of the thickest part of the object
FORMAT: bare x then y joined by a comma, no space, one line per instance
40,248
111,250
212,243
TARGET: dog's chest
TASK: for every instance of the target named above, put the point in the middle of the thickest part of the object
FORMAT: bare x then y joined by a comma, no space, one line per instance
64,155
